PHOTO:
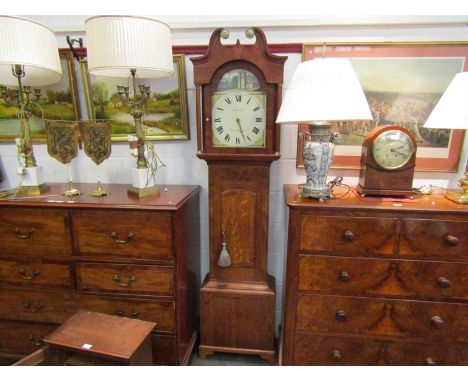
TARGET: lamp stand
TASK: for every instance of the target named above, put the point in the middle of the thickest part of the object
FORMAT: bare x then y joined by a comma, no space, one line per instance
32,183
318,154
460,196
143,183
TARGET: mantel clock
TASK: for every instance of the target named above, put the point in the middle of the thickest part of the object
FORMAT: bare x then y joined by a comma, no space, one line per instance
238,97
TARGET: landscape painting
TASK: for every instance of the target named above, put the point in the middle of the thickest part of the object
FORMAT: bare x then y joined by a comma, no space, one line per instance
56,102
402,84
166,112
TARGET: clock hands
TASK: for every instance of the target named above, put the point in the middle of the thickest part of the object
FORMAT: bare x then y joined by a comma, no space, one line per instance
240,128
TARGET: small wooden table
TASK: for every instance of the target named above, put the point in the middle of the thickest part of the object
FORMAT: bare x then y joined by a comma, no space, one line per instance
89,338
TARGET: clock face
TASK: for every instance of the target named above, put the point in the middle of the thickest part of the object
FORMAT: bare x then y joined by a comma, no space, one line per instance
238,119
392,149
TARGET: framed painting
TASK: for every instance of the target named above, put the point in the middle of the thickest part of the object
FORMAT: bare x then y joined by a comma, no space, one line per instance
402,83
57,102
166,116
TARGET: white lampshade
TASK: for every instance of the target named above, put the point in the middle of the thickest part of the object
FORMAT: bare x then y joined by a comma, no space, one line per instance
32,45
451,112
322,90
116,44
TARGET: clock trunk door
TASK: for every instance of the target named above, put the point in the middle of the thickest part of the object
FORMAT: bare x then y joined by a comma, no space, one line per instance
240,208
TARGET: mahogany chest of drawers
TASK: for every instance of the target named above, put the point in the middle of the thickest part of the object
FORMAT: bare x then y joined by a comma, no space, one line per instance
375,283
137,258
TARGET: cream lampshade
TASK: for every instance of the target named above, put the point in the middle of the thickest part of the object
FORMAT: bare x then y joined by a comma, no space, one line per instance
322,91
28,57
136,47
451,112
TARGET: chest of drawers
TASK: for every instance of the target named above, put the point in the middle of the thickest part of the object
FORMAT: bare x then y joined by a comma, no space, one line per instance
114,255
375,283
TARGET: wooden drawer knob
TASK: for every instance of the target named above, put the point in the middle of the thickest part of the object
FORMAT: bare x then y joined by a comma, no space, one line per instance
429,362
444,283
348,235
336,355
344,276
437,322
341,316
451,240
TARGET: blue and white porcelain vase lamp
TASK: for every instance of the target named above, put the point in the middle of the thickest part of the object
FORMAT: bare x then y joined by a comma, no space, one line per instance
322,91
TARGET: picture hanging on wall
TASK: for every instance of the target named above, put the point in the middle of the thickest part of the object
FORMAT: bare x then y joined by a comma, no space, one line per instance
166,116
402,83
58,102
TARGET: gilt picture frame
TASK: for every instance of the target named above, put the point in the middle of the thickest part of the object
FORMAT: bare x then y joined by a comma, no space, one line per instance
402,83
58,102
166,115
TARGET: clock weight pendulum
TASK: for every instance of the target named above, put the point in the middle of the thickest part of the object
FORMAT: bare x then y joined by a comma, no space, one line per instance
238,90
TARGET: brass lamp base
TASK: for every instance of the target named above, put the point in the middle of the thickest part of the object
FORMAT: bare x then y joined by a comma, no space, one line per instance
33,190
143,192
457,196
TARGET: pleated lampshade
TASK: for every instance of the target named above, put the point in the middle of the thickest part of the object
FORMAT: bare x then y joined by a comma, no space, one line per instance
30,44
116,44
322,90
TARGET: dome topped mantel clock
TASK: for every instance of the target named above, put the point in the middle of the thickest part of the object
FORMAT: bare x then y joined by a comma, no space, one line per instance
238,89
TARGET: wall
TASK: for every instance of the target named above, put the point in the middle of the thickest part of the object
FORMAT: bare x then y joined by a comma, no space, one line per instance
183,167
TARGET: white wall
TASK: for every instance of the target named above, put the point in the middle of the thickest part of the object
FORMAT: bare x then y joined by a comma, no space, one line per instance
183,167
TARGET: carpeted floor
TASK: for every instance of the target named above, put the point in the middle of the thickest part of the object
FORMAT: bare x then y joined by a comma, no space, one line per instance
224,359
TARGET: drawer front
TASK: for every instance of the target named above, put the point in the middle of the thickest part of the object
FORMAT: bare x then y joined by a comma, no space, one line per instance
34,232
379,277
120,278
334,351
164,350
36,273
434,321
347,234
160,312
136,235
37,306
22,337
441,239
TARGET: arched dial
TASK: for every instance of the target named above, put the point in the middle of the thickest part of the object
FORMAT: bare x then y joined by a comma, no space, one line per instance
392,149
238,119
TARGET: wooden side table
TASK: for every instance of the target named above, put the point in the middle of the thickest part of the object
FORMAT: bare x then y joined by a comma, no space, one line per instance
89,338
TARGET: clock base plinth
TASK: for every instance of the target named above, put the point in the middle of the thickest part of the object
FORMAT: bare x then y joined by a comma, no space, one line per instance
364,191
238,317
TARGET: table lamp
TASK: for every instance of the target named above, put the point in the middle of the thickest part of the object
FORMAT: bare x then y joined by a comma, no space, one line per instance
322,91
28,57
451,112
132,47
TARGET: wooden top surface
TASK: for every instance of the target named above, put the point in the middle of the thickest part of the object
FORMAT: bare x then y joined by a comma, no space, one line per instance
436,202
171,198
101,334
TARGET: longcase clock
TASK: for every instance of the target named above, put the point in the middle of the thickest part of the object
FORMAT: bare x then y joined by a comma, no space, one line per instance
238,97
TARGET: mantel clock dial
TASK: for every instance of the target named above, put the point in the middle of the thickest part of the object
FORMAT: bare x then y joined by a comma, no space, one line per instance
387,162
238,91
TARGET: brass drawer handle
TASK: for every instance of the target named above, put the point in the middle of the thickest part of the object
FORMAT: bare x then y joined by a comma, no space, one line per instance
24,236
34,273
429,362
451,240
444,283
114,236
344,276
348,235
437,322
131,279
336,355
341,316
27,305
133,314
37,341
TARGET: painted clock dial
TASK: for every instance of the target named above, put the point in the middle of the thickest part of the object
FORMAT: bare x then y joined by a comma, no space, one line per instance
392,149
